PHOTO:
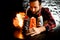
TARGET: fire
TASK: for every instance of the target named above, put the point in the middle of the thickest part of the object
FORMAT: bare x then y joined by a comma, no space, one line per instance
20,20
20,17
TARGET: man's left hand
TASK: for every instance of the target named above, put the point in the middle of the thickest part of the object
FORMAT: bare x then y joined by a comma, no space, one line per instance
38,30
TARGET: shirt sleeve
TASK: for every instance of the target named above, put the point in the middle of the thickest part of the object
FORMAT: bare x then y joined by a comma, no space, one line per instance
50,23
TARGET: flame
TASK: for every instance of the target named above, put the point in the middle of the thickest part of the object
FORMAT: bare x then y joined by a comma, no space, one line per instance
20,17
20,20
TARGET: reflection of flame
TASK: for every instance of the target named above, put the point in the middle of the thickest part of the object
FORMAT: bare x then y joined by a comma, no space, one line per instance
18,34
21,36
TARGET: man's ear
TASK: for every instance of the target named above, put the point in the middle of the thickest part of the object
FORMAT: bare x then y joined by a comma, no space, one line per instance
40,6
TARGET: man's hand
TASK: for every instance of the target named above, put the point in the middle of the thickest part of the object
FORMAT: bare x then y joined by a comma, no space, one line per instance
38,30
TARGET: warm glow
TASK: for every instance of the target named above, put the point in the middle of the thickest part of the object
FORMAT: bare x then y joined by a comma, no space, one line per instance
20,17
20,21
18,34
21,36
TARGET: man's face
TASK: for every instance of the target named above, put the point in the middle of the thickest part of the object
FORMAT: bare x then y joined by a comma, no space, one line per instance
34,6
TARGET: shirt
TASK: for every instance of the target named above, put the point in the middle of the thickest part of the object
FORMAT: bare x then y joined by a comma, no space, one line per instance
48,20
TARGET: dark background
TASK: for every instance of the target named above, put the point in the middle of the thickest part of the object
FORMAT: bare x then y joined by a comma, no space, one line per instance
8,10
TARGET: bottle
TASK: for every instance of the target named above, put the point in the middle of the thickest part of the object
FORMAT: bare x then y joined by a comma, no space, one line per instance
39,21
32,22
26,25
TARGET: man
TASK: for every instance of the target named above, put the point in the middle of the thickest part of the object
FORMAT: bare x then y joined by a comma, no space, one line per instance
36,11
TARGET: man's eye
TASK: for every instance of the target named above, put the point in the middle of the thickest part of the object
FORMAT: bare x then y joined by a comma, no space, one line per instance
35,7
30,7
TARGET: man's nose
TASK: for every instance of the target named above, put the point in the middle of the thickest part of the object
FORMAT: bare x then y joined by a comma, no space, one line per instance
33,9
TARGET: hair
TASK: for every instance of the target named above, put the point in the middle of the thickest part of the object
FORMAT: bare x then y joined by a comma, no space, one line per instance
35,0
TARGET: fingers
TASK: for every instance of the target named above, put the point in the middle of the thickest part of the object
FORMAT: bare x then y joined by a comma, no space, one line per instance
34,34
30,33
37,31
